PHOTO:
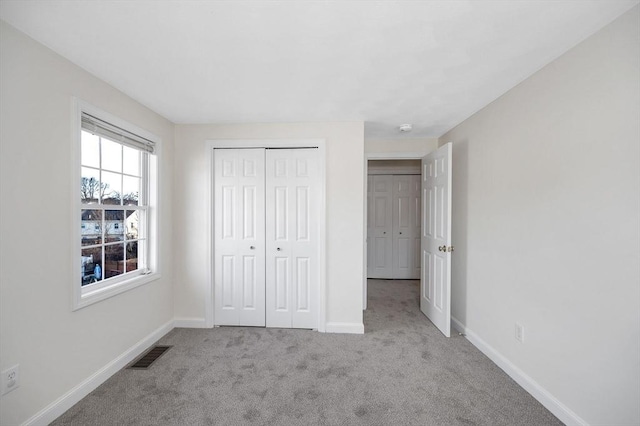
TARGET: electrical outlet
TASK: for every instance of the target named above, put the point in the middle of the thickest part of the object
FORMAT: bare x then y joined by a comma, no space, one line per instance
10,379
519,333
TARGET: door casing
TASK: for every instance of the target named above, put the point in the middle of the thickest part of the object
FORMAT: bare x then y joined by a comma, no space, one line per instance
210,145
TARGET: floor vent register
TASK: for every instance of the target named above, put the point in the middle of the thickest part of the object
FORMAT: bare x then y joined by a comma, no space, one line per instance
149,357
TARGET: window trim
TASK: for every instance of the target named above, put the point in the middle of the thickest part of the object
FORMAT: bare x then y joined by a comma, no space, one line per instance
80,298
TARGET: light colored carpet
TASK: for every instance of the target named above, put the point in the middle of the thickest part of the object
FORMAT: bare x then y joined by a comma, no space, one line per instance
402,371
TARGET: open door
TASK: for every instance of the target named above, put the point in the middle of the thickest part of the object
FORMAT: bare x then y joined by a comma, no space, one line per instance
435,241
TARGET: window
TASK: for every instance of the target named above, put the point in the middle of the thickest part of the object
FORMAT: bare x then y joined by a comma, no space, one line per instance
116,238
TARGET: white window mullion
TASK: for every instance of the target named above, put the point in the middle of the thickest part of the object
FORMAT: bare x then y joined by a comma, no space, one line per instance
143,261
100,170
91,246
104,239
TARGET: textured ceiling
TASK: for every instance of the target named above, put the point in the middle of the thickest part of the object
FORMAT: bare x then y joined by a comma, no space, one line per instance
431,63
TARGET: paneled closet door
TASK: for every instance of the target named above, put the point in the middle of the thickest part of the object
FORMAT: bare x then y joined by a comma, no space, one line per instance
239,258
380,224
292,238
369,226
406,226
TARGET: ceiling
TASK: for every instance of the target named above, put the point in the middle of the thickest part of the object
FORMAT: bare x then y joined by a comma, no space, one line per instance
429,63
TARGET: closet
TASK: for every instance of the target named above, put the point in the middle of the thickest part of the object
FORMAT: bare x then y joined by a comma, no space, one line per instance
266,237
393,226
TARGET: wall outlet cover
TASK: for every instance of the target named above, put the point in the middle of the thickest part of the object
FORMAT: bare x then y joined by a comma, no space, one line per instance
10,379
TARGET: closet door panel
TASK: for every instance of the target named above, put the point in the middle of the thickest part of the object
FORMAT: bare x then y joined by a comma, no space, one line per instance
303,288
228,284
291,181
406,226
250,284
281,281
305,273
278,242
370,235
381,226
239,248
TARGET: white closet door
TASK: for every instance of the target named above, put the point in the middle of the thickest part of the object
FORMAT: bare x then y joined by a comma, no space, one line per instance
369,228
380,239
292,238
406,227
239,258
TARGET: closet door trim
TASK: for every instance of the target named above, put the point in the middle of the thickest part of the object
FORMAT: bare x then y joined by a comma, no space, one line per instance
320,144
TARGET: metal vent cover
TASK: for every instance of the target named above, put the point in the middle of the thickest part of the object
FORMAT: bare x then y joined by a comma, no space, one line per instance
149,357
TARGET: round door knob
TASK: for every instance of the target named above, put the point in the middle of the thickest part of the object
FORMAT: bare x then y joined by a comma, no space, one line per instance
401,233
384,232
252,248
279,249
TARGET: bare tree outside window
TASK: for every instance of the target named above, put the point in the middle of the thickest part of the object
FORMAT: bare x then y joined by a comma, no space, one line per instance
91,190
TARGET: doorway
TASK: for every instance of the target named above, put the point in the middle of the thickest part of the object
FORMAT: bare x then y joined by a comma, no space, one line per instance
393,219
390,162
435,233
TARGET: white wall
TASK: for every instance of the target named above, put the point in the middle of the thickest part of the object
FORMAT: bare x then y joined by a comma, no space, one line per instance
400,145
394,165
56,348
345,204
546,191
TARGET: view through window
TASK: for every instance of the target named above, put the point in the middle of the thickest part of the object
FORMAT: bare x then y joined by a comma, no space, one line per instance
113,193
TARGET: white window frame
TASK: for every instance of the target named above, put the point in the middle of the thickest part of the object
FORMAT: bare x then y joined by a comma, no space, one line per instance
83,296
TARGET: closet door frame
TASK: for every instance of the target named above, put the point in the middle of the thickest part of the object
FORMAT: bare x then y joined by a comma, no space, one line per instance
320,144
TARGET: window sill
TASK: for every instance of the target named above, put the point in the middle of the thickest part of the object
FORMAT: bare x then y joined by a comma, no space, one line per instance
90,297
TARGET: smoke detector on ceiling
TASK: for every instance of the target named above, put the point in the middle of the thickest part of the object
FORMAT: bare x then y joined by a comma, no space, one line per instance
405,127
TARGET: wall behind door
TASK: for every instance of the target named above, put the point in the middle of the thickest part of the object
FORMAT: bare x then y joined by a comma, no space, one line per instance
345,211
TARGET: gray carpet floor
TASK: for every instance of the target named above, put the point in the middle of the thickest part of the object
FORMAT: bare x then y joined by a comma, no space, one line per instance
402,371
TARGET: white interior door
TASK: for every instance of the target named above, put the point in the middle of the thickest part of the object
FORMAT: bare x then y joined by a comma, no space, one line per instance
435,280
292,238
406,227
380,224
239,258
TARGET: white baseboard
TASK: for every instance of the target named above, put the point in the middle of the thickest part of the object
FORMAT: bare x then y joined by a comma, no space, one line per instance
190,323
543,396
68,400
345,327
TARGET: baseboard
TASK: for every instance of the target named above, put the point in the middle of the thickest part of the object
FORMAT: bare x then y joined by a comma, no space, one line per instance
345,327
190,323
543,396
68,400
